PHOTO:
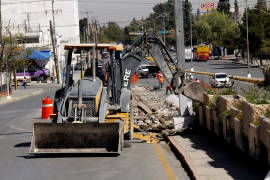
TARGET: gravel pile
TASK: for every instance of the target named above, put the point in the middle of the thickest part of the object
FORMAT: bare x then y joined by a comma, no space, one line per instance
151,112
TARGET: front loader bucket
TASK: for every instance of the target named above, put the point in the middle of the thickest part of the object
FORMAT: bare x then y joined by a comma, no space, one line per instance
53,138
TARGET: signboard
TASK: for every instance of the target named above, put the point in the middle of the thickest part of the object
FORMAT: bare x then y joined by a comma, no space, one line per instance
166,31
160,32
209,5
135,33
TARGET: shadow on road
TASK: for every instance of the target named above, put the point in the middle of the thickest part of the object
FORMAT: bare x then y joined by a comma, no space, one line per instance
25,144
230,67
79,155
7,134
238,164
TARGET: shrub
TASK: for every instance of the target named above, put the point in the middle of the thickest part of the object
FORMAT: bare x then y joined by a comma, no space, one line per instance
256,122
227,114
224,91
211,91
267,113
240,116
256,96
237,104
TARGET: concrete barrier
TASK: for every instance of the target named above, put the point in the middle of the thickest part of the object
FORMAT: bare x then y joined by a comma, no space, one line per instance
208,115
250,134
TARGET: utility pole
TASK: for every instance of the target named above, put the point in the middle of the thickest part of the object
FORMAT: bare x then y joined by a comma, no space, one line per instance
53,37
1,23
164,29
248,58
53,19
180,49
94,51
191,44
54,54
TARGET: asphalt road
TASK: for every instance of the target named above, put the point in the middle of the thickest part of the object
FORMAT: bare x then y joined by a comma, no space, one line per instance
142,161
225,66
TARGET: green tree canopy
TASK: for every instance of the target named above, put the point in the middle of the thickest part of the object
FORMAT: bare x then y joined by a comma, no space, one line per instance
224,6
258,31
111,33
218,29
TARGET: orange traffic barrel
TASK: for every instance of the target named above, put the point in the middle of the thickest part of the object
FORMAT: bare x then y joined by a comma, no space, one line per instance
47,108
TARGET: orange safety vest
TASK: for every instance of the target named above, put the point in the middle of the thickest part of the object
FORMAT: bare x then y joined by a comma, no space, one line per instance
158,75
161,79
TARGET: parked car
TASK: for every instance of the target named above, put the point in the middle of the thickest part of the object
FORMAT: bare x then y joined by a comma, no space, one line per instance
220,80
35,73
143,71
153,70
20,76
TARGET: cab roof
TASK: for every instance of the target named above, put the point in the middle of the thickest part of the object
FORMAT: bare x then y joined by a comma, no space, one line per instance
117,47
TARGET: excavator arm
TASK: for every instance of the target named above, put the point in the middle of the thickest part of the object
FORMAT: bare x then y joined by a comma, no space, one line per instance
151,44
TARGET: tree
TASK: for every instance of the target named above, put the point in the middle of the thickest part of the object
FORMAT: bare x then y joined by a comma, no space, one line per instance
236,11
198,13
224,6
218,29
83,24
14,55
112,33
262,4
259,35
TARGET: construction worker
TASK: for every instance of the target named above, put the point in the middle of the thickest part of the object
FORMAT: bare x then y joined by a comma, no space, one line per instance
168,88
161,80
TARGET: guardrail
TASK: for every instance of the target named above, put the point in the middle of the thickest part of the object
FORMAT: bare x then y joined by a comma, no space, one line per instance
259,81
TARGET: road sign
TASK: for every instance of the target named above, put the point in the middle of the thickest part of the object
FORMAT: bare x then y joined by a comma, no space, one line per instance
166,31
209,5
135,33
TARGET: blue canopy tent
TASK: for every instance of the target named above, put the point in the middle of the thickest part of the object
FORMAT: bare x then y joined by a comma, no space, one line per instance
39,55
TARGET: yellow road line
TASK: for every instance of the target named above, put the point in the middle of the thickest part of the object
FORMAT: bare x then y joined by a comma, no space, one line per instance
165,163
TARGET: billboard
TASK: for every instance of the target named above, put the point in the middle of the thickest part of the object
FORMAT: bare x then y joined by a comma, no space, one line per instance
209,5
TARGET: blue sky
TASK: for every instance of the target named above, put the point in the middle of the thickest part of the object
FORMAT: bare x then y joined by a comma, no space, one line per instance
122,11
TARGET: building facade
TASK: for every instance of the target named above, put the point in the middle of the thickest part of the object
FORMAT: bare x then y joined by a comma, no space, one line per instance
31,19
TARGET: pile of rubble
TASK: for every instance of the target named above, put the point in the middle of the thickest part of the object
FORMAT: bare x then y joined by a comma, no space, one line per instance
151,112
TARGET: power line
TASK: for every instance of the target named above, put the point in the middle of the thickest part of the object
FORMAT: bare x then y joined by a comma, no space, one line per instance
107,2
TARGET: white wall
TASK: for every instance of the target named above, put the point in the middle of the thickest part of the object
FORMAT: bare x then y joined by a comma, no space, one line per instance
35,16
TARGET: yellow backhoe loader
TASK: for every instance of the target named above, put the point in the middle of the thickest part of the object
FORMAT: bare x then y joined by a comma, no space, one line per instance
92,118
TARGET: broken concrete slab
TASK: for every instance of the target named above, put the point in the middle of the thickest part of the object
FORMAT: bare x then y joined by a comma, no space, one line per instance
181,123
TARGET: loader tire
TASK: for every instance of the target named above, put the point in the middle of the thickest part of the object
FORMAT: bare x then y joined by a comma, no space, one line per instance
128,141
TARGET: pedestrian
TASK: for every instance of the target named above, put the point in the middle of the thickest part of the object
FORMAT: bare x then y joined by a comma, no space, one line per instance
24,82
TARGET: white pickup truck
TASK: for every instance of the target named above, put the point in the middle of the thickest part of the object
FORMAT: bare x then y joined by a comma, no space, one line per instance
220,80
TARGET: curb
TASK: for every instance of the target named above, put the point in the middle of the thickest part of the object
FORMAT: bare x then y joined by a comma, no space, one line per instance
184,157
13,99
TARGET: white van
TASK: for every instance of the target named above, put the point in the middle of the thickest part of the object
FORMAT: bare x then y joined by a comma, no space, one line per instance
188,54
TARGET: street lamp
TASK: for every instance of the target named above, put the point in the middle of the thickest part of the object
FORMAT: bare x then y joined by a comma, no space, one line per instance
248,75
191,45
163,15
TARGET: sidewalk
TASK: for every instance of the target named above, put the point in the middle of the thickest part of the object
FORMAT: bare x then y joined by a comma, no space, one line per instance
21,93
210,159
